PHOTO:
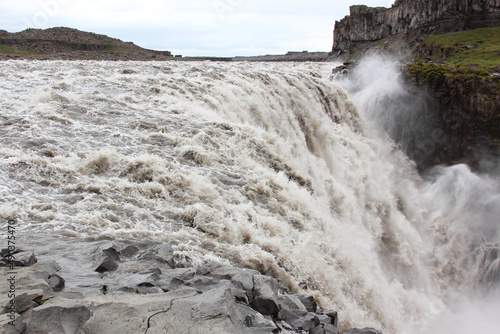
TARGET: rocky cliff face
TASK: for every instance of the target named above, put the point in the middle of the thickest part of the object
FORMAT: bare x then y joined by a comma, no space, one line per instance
412,18
463,115
458,71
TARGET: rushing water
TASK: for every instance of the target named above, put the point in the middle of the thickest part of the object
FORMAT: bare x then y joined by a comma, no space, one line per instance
268,166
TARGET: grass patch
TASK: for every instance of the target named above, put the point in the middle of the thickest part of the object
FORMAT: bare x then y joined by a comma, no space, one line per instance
477,47
462,71
9,50
456,79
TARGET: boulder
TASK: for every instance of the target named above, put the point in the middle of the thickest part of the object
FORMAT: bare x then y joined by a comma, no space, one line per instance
111,251
292,303
131,313
106,259
24,302
306,322
173,279
325,329
59,316
309,302
240,277
254,319
129,251
141,283
214,311
163,254
25,259
45,270
104,263
147,288
37,286
265,295
179,312
56,282
289,316
200,283
11,326
333,315
324,319
330,329
239,295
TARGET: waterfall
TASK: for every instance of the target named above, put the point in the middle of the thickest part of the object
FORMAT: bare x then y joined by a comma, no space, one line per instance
267,166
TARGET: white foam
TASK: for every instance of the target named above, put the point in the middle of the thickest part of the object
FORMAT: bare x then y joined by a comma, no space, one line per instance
264,165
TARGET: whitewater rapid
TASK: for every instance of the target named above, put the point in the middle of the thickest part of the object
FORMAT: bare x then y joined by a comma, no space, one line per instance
267,166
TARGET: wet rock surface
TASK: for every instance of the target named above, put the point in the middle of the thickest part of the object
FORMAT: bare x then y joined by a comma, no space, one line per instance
171,296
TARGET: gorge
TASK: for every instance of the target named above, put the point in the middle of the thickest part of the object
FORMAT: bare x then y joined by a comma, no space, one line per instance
451,57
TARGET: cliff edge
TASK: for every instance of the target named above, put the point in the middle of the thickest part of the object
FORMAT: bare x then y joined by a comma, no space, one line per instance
452,52
411,20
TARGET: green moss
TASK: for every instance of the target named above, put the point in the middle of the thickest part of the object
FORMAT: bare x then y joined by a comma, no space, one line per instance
433,71
478,47
9,50
456,79
428,72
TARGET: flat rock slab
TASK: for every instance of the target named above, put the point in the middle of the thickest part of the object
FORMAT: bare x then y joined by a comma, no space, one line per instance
129,313
214,311
61,316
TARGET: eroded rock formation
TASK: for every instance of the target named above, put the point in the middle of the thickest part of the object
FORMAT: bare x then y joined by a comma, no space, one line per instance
412,18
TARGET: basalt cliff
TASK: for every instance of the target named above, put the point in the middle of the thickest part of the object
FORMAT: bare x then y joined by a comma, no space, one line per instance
412,19
451,56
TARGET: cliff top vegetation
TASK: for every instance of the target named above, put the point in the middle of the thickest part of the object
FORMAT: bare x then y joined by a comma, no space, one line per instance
476,47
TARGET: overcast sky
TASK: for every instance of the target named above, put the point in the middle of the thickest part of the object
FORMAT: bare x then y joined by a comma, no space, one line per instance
192,27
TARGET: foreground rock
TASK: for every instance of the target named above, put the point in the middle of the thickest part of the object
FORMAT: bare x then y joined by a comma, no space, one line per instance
171,296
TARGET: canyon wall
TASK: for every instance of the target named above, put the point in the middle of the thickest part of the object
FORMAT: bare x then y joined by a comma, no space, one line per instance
413,19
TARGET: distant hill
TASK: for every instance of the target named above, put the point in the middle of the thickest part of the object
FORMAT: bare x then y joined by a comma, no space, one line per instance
298,56
68,43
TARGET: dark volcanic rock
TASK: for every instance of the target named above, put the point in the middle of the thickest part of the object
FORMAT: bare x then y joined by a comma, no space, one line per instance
265,295
413,19
309,302
333,315
129,251
58,317
461,121
306,322
105,263
106,258
210,298
8,326
56,282
325,329
18,258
